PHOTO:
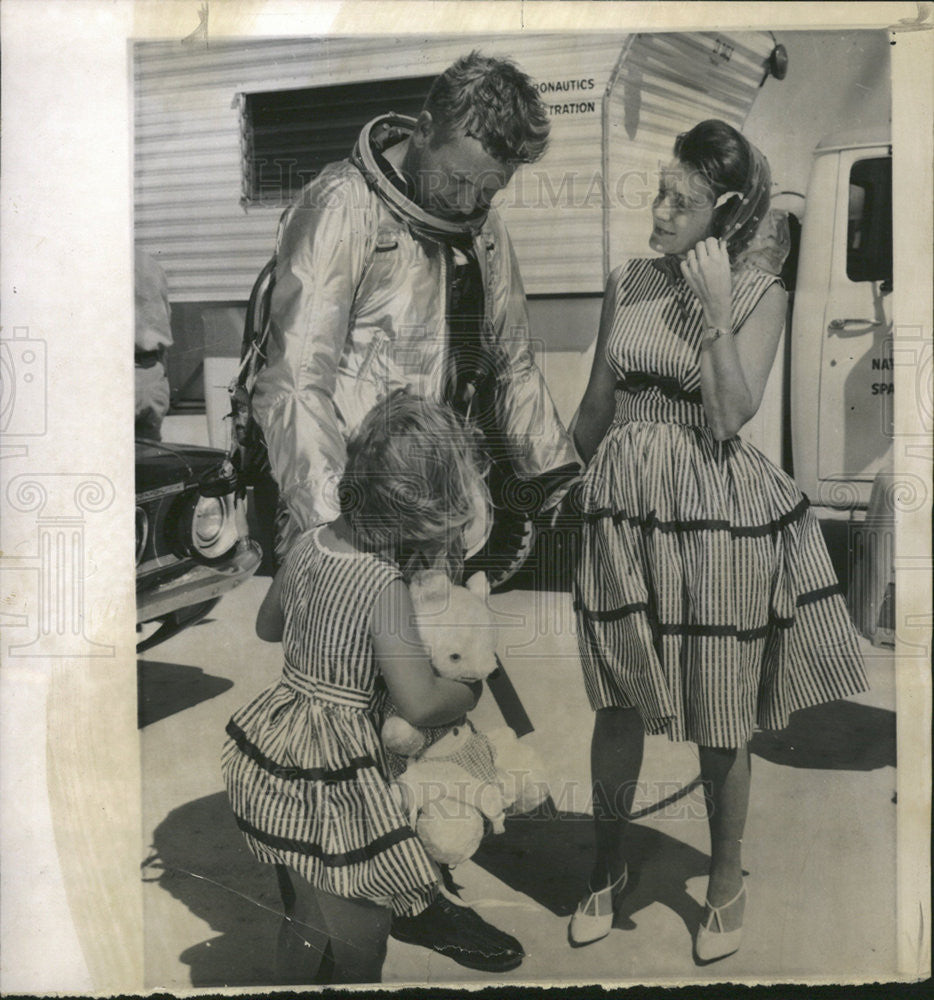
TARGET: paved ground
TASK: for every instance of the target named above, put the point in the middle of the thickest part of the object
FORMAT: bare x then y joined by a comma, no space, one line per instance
819,845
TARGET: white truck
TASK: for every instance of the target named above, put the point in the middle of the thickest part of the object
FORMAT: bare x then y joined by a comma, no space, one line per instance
840,390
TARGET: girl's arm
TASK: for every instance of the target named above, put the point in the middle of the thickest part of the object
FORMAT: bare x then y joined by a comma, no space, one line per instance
599,402
734,370
421,696
270,621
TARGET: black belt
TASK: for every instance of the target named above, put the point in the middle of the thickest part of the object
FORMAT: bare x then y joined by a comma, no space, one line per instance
670,387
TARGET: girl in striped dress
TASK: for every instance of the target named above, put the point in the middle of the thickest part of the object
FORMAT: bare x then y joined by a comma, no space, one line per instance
706,601
303,764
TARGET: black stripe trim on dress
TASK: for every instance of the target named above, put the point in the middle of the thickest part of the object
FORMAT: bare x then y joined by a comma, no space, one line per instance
289,772
611,616
695,629
726,631
651,523
770,527
819,595
356,856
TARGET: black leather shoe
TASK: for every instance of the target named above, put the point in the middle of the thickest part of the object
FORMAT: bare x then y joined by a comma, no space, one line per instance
460,933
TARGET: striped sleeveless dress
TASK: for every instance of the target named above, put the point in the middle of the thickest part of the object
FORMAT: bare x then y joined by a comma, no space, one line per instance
705,596
303,763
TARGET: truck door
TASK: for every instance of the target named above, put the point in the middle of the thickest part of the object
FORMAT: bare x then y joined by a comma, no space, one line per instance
854,419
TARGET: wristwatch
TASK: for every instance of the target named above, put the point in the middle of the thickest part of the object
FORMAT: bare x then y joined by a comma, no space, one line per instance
712,333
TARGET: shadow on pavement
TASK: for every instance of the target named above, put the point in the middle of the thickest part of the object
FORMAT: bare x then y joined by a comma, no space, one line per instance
200,858
840,735
548,857
166,688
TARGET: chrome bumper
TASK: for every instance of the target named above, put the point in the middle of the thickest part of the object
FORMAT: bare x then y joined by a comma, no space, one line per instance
200,583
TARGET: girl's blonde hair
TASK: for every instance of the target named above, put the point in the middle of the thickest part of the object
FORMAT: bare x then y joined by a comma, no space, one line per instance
413,480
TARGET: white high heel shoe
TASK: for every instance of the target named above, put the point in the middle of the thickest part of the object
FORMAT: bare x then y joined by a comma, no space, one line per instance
713,942
593,918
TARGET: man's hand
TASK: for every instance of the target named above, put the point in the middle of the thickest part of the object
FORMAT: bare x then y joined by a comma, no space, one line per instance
553,487
567,503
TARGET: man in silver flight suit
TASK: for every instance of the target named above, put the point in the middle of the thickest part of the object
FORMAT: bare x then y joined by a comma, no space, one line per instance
392,270
153,338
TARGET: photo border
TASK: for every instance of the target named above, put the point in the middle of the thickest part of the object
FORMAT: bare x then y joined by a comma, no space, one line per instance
70,833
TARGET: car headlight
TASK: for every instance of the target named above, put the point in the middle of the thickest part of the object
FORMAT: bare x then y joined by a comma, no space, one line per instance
207,523
142,533
214,527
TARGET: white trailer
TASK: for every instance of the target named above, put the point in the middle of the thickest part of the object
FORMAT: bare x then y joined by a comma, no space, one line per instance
211,180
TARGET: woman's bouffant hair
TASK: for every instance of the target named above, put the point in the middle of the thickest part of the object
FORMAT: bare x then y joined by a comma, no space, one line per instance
728,161
493,101
413,480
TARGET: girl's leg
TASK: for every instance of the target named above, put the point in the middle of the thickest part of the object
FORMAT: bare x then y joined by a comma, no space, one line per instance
358,931
302,943
615,760
726,777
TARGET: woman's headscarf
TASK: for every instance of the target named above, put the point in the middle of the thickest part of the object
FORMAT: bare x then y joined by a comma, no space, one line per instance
770,244
746,210
737,175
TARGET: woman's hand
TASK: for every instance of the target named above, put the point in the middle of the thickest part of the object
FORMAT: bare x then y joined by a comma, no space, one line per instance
706,269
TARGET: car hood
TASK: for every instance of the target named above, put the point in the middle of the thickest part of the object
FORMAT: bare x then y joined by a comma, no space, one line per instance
159,464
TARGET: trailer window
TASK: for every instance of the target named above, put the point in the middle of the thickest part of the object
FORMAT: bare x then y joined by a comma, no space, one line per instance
869,226
289,135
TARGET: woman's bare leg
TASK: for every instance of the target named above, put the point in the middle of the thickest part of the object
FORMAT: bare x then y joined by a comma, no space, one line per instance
726,778
615,760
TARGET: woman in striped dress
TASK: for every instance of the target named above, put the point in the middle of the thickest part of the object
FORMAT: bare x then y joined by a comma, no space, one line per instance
303,764
706,601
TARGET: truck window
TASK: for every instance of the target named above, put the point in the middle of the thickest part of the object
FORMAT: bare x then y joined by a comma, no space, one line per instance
869,221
